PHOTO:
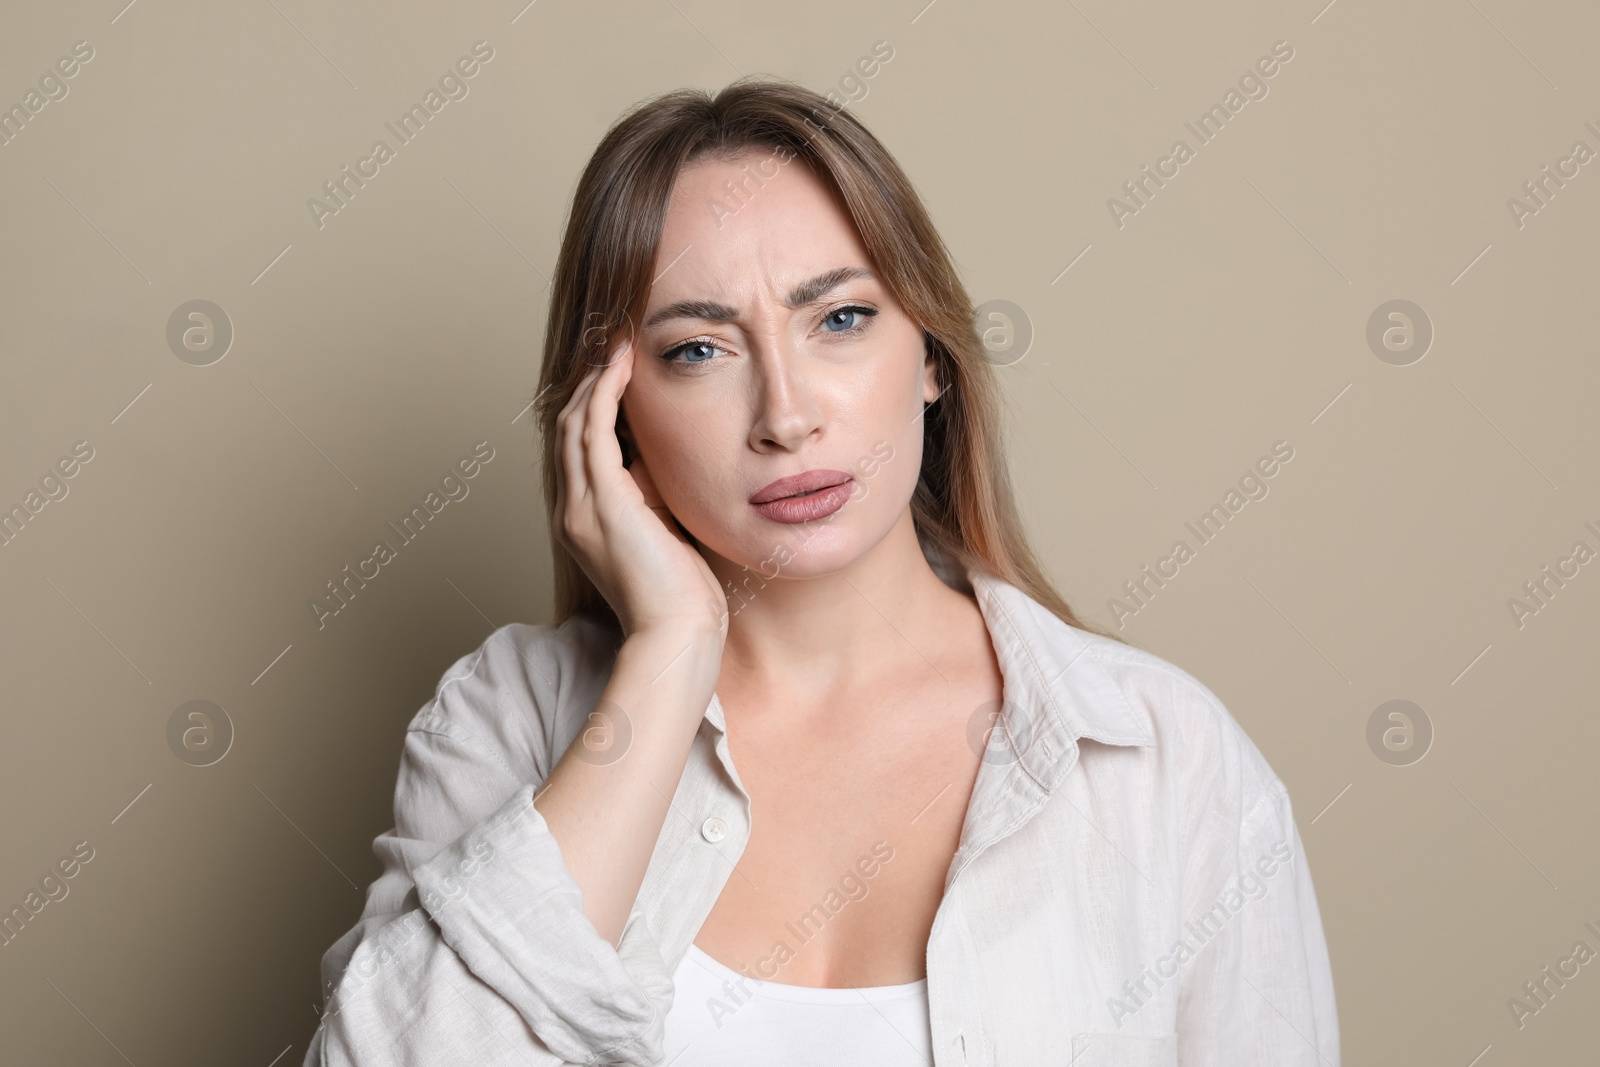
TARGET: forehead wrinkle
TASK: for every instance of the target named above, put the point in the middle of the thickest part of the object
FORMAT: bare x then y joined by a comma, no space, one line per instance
804,294
768,225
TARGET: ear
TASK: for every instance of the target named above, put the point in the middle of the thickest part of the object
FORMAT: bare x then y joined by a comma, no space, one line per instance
930,380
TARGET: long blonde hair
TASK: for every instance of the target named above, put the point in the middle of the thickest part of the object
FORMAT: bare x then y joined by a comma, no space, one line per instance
963,505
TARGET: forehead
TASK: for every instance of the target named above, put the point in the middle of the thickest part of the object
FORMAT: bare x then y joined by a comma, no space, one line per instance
749,224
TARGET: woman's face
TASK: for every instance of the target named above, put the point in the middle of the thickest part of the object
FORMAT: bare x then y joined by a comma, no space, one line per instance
767,350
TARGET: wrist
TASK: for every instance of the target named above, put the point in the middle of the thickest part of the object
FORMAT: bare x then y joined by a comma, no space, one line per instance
698,634
698,642
701,627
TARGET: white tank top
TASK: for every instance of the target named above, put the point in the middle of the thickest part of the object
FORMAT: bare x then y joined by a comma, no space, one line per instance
721,1018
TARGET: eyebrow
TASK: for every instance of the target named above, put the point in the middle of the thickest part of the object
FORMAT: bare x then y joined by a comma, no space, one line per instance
807,292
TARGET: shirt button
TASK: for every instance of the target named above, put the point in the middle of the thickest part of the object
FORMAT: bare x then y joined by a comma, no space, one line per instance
713,829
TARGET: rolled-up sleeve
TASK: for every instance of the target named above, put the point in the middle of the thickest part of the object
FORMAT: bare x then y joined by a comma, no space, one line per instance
473,946
1259,992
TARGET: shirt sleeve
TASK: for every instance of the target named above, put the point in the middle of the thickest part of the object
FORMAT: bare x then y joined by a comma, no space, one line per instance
1259,990
473,946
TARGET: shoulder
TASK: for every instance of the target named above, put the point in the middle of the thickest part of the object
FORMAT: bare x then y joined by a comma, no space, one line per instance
512,694
1201,750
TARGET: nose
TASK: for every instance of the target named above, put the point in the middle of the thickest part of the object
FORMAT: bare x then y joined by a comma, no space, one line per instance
786,414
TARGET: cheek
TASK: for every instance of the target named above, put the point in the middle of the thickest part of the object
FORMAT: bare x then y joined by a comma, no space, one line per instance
889,431
687,451
887,471
879,418
889,396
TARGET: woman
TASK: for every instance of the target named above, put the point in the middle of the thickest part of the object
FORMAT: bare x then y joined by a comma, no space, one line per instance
815,768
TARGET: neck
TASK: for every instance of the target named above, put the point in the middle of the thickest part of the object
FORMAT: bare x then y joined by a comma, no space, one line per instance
821,631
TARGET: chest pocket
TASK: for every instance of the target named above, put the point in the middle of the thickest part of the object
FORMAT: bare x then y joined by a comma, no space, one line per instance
1124,1050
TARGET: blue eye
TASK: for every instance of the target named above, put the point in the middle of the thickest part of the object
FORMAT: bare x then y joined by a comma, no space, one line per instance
688,347
833,319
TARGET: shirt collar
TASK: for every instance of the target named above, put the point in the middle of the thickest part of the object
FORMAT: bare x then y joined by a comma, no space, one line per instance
1053,669
1057,690
1055,682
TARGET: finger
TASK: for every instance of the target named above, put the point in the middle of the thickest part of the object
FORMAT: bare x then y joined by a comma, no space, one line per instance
653,499
571,442
670,521
572,401
571,426
570,479
602,449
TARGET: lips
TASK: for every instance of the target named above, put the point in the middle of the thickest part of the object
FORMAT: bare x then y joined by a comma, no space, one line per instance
798,484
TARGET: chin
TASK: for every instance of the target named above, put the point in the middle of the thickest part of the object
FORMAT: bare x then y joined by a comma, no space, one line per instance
772,550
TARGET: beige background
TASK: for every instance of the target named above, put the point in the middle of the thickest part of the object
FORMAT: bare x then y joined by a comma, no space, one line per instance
372,353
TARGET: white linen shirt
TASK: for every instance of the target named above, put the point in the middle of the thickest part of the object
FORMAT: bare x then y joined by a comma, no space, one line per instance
1129,889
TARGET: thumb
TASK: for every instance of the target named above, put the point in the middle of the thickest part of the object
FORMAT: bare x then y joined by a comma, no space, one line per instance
647,485
652,497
